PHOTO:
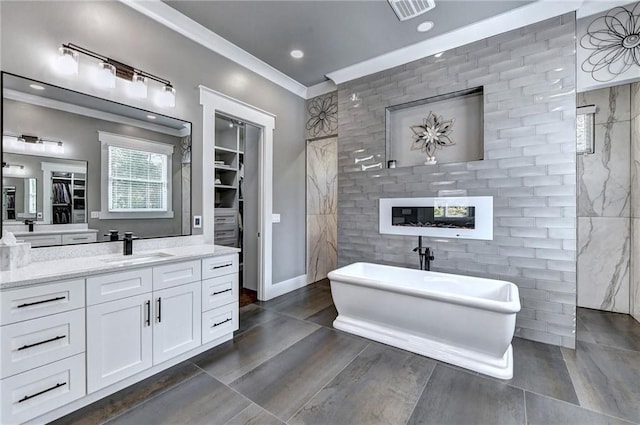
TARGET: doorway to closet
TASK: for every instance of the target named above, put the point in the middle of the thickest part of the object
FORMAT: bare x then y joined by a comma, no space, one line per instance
236,198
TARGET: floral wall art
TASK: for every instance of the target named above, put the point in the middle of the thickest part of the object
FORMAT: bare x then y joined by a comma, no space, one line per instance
608,48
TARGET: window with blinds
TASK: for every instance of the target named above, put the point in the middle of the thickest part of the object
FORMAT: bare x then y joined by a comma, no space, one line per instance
137,180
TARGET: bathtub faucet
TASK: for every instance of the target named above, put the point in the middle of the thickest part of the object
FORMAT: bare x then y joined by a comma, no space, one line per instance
425,254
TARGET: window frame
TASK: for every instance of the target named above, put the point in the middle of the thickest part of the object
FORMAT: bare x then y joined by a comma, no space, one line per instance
134,143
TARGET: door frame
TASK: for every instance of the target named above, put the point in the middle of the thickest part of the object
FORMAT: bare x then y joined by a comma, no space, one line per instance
215,102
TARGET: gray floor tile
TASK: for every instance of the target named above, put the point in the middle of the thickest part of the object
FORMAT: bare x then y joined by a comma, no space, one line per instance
252,315
305,304
547,411
283,384
606,379
130,397
541,368
324,317
200,400
454,397
381,386
233,359
613,329
254,415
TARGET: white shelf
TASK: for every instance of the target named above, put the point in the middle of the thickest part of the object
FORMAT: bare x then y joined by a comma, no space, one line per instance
225,167
220,148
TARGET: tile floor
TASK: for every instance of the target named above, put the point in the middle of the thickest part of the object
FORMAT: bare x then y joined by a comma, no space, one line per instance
288,365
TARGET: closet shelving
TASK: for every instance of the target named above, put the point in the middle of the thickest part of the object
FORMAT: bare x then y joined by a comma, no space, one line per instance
227,165
68,197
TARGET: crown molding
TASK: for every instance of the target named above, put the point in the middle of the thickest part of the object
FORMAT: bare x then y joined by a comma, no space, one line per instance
320,89
517,18
171,18
592,7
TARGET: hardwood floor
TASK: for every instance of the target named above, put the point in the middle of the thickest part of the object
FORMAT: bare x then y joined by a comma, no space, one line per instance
287,365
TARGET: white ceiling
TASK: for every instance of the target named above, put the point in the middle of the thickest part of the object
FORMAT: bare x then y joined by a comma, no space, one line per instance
343,40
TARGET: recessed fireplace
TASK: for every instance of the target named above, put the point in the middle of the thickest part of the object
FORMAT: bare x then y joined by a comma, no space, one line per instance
450,217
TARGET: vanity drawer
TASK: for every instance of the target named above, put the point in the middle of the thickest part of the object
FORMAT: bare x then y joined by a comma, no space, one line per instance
79,238
38,391
219,291
42,240
36,301
34,343
109,287
219,322
219,266
176,274
224,234
224,219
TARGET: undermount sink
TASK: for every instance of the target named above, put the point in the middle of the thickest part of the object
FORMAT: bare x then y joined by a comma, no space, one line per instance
137,259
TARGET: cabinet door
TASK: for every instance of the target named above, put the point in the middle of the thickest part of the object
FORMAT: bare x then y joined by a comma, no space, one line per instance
119,338
178,325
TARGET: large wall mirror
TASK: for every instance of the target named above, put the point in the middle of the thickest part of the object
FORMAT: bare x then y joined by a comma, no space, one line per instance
75,167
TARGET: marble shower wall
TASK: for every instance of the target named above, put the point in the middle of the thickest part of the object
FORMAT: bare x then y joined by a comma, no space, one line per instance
634,301
604,204
322,186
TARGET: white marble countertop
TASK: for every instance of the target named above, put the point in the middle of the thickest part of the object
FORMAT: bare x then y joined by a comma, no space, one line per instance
49,271
54,232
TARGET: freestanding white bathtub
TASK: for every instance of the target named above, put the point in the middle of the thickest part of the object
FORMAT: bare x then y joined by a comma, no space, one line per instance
462,320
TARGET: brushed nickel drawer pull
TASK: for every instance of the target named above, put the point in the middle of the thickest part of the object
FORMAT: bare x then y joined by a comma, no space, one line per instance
221,323
55,338
221,292
222,266
29,397
41,302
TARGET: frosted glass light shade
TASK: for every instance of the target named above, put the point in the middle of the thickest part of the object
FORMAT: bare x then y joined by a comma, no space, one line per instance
13,144
105,76
138,87
167,97
67,61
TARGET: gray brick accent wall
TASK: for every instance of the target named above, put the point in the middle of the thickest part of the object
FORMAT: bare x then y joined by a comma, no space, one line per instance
529,168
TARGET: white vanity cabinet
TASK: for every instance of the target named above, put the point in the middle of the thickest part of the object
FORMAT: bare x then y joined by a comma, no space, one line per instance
67,343
151,315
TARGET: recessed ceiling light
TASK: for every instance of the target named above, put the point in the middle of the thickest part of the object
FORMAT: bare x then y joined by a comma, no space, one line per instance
297,53
36,86
437,55
151,117
425,26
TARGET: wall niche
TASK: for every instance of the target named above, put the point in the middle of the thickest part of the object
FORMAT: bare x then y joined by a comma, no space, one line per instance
459,113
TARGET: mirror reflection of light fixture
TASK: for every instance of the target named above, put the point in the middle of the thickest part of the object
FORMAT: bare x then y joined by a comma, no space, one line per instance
12,170
30,144
109,69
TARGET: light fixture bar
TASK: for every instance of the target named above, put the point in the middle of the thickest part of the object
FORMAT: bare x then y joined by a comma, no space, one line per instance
123,70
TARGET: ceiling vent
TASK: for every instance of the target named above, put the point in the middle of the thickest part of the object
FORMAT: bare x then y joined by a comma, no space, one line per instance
407,9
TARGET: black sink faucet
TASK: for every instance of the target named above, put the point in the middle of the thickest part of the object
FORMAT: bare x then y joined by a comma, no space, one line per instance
425,254
29,223
113,235
128,243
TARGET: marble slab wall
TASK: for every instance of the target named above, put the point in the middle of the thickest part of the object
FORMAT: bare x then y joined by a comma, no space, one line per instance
604,204
322,202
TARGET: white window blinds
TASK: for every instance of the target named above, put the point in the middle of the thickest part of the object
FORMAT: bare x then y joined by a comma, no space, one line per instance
136,177
137,180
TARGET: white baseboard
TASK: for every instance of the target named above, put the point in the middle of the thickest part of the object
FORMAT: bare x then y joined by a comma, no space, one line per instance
286,286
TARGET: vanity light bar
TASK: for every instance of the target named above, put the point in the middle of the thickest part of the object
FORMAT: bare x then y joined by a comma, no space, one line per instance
113,68
23,143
